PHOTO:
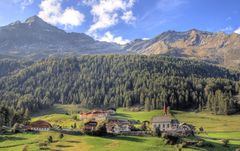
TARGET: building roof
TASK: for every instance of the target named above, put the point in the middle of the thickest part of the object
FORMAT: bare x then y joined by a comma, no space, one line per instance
163,119
95,112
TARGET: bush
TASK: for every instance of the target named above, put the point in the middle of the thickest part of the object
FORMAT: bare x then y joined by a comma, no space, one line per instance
171,140
50,139
15,128
200,144
61,135
74,117
225,142
101,129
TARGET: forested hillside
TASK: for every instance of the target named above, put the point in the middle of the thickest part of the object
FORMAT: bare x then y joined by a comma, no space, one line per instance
122,81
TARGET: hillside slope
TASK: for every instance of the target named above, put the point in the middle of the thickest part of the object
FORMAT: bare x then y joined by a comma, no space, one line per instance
122,81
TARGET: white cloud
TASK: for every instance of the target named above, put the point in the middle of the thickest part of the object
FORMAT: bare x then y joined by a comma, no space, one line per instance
52,12
107,13
128,17
237,31
109,37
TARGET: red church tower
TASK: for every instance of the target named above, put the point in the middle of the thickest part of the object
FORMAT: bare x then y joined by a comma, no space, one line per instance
165,110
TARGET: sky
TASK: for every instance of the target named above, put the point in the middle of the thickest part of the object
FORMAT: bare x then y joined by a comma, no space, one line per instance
122,21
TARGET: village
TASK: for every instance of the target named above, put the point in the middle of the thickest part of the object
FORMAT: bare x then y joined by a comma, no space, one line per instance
110,124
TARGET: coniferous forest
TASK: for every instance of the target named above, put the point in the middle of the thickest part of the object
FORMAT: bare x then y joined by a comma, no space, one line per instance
116,81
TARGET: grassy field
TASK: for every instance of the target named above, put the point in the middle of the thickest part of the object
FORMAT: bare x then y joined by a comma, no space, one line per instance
210,122
218,127
83,143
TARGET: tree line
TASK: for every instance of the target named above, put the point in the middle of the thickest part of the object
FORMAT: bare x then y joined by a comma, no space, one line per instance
122,81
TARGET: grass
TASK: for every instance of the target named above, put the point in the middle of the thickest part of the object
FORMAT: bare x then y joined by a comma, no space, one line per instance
84,143
141,115
62,115
210,122
215,125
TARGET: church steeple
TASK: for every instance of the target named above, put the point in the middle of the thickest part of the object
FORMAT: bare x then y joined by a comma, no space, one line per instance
165,108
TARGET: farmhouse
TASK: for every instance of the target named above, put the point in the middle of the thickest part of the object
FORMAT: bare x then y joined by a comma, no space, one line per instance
116,125
185,129
39,126
94,115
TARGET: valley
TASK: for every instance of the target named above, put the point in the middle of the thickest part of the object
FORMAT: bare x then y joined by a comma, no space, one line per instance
119,75
54,115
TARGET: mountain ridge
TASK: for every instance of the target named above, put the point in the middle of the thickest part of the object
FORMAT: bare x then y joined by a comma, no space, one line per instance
207,46
36,38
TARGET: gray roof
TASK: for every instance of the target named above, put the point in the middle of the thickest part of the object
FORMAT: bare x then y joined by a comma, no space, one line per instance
163,119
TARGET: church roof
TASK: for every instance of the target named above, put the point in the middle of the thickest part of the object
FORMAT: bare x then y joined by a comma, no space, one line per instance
163,119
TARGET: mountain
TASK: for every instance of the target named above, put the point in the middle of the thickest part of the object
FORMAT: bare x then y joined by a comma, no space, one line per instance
212,47
36,38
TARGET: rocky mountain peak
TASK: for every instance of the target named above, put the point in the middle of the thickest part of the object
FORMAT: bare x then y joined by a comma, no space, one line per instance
33,19
36,38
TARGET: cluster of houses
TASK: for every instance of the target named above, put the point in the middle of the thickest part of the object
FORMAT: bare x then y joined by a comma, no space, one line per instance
114,125
164,123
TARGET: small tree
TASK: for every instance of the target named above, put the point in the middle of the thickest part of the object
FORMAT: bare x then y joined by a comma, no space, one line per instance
101,129
74,117
201,129
15,127
225,142
61,135
50,139
157,131
144,126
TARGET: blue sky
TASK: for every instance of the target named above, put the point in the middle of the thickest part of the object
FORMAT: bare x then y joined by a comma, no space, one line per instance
121,21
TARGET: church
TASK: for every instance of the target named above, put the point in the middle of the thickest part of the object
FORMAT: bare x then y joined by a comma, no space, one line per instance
165,122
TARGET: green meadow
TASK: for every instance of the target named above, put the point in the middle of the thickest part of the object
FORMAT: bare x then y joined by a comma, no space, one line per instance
216,127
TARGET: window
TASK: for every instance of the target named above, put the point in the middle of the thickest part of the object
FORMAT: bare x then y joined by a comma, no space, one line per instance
167,125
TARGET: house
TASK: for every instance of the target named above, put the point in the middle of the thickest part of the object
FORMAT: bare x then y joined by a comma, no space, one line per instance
94,115
117,126
90,126
185,129
39,126
165,123
171,126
